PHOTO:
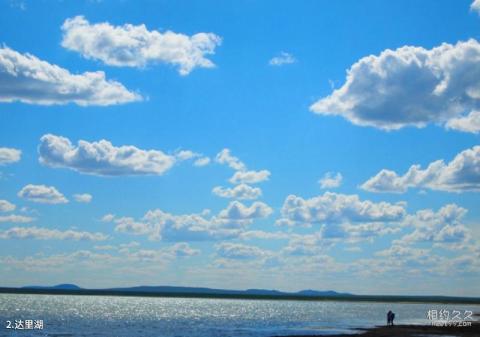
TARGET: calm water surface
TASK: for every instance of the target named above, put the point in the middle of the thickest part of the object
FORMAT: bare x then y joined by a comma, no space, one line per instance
65,316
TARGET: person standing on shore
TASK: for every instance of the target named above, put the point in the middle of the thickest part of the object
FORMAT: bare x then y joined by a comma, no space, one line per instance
389,318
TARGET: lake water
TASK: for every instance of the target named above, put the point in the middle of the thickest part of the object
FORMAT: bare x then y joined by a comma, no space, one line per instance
173,317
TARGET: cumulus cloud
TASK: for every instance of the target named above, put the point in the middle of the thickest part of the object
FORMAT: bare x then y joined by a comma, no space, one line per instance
180,249
332,233
241,175
108,217
238,211
468,123
49,234
102,158
365,231
25,78
225,157
249,177
443,227
237,251
84,198
337,208
331,180
401,252
241,192
200,162
14,218
282,59
157,224
459,175
42,194
185,155
136,46
9,155
305,245
126,258
475,6
256,234
6,206
410,86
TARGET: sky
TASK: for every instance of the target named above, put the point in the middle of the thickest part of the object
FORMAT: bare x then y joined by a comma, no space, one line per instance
250,144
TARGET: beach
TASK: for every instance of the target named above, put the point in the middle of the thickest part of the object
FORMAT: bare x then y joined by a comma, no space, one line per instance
412,331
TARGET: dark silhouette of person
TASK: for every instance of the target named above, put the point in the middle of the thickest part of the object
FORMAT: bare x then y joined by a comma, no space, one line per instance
389,318
392,318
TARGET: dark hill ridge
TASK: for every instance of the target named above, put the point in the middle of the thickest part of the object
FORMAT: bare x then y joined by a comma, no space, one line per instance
65,286
195,290
256,294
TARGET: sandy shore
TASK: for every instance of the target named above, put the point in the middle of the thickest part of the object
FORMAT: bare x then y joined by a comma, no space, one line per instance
412,331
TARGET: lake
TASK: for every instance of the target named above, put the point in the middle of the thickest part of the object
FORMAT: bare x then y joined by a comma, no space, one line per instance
65,315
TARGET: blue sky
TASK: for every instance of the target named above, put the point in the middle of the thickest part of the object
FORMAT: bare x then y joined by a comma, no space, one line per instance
280,94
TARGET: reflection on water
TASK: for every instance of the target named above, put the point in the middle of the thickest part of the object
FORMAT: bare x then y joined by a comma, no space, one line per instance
169,317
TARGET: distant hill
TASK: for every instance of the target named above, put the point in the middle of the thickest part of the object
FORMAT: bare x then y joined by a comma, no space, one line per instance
257,294
195,290
65,286
321,293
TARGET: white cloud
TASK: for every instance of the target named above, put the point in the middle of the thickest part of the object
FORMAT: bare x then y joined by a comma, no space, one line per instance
230,250
104,247
282,59
25,78
256,234
337,208
331,180
468,123
442,227
249,177
399,251
6,206
102,158
242,175
241,192
460,175
366,231
203,161
49,234
42,194
108,217
185,155
225,157
180,249
157,224
332,233
13,218
126,260
84,198
410,86
305,245
200,159
238,211
136,46
9,155
475,6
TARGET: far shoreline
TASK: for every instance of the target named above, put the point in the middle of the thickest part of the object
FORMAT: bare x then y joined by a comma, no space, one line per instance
346,298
